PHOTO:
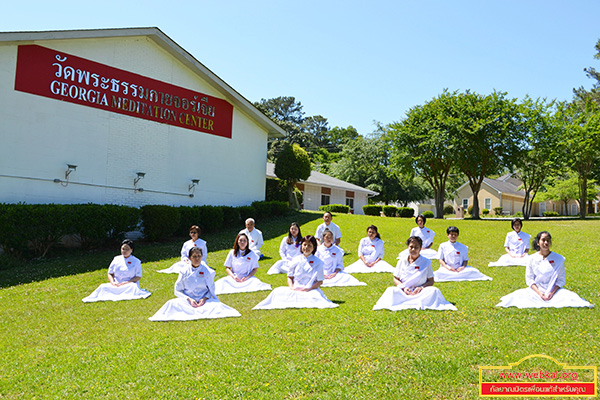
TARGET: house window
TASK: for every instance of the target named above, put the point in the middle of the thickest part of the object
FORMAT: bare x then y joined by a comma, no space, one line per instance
487,204
573,209
542,208
350,203
325,199
465,204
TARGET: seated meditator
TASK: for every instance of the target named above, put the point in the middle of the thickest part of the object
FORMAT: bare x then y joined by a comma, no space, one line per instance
195,241
327,224
426,235
124,274
516,245
370,253
241,264
195,292
545,278
453,258
288,249
254,236
332,257
414,288
305,276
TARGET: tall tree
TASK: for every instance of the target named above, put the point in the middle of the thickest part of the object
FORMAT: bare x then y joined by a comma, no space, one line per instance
292,165
543,156
581,94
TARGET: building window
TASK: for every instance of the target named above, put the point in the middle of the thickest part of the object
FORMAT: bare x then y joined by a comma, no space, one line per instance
487,204
465,204
573,209
350,203
324,199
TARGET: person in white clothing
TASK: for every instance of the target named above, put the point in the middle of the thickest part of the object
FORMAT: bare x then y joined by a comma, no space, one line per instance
241,265
305,276
255,236
327,224
370,253
516,245
413,280
124,274
195,295
426,235
195,241
545,277
288,249
332,256
453,257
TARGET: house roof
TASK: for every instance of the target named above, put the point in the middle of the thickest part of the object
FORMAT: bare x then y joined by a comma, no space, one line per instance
506,184
167,44
318,178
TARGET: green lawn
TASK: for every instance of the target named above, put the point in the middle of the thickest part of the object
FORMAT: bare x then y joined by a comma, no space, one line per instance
54,346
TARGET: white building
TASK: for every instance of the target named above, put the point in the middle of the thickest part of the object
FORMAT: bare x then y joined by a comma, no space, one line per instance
123,106
320,189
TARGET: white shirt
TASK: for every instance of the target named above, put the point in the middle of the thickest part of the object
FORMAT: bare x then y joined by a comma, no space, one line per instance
371,250
517,243
546,273
425,234
289,251
256,239
124,269
453,254
332,258
241,265
413,274
185,249
195,283
306,270
337,233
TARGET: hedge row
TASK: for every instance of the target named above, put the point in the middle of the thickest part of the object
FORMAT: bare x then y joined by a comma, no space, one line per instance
372,209
34,229
339,208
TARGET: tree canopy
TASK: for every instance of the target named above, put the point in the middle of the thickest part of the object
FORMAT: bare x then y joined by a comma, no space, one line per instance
292,165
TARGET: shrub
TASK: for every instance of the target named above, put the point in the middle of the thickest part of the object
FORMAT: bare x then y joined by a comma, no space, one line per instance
339,208
231,216
406,212
211,218
263,209
159,221
518,214
17,223
428,214
246,212
550,214
279,208
498,210
485,212
448,209
188,216
121,219
372,209
275,190
470,210
390,211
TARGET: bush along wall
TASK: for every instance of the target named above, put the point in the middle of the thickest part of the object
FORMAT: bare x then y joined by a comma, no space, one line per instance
339,208
372,209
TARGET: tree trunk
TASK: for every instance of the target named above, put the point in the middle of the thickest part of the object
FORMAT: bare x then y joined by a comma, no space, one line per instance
475,188
292,199
582,196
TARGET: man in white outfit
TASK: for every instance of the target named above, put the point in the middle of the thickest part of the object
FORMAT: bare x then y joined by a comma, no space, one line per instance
254,236
337,233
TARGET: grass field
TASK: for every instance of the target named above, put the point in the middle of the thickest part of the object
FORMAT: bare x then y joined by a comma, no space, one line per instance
56,347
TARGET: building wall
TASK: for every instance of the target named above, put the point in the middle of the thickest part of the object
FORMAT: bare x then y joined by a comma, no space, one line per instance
312,198
39,136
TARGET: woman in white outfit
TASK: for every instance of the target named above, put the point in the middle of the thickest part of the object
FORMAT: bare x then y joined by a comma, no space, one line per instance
241,264
124,274
545,277
414,288
332,256
370,252
196,298
426,235
195,241
305,276
288,249
516,245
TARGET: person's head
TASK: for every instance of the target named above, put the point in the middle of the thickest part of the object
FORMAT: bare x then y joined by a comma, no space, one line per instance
327,217
372,232
542,241
250,224
309,245
420,220
127,247
327,238
516,224
195,256
414,244
294,234
452,233
241,244
194,232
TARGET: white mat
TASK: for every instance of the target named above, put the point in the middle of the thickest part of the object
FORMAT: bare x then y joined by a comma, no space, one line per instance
179,309
508,261
528,298
108,292
467,274
342,279
430,298
284,297
228,285
359,267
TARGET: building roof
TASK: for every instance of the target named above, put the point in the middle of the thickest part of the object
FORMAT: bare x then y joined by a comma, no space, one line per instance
506,184
318,178
167,44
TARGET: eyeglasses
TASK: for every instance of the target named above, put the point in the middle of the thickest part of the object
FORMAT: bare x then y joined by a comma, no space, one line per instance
194,232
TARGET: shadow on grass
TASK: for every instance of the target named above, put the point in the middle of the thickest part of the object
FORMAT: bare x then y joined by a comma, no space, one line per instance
64,262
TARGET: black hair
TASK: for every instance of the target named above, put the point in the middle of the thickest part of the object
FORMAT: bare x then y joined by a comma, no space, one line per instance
536,240
422,217
312,240
452,228
195,250
377,235
514,221
290,238
129,243
236,246
416,239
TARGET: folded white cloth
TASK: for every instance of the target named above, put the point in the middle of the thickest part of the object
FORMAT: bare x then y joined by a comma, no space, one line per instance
359,267
528,298
430,298
508,261
280,267
179,309
228,285
108,292
467,274
180,266
284,297
342,279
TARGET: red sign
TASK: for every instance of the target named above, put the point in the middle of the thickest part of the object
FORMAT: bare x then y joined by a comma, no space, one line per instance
58,75
527,389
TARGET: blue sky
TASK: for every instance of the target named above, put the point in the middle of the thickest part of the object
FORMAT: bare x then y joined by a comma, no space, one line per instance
355,61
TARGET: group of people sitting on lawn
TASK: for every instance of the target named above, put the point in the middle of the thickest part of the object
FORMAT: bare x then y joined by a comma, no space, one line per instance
313,262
